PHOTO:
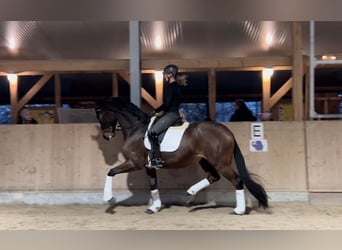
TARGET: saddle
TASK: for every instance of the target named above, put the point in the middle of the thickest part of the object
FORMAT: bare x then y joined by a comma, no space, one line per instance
171,138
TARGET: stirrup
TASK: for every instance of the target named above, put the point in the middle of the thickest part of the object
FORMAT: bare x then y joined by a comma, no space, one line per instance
155,163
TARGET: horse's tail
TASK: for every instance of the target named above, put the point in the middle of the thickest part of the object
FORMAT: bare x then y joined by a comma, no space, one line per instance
254,188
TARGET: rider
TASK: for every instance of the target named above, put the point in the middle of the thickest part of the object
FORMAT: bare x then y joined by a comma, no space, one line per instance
167,113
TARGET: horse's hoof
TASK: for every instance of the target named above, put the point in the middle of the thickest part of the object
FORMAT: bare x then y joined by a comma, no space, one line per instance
107,196
111,200
189,199
235,213
149,211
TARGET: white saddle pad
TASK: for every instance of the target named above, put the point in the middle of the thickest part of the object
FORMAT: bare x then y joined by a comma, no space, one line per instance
171,140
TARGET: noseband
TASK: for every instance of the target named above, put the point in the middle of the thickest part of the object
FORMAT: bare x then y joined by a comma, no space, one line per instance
108,133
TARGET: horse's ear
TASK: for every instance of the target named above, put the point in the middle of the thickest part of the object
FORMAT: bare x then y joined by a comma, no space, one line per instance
97,110
98,106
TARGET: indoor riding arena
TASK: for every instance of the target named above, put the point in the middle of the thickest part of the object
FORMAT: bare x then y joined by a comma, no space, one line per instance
52,174
52,177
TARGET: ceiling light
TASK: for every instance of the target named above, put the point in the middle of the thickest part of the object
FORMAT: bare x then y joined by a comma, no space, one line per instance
158,42
269,39
12,78
12,44
158,75
267,72
328,57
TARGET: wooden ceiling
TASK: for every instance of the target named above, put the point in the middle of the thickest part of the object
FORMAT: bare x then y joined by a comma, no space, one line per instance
104,45
35,47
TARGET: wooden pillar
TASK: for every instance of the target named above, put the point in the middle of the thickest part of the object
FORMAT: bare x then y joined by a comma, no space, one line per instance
266,93
58,100
158,82
115,85
212,94
13,84
307,93
58,97
326,106
297,72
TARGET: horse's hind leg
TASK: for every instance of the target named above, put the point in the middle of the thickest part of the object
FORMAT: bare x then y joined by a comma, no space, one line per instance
240,198
212,177
233,177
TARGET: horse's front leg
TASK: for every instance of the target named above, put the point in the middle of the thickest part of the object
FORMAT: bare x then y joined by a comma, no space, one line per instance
155,202
125,167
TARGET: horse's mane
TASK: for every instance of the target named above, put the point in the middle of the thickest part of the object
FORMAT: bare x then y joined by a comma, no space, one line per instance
121,105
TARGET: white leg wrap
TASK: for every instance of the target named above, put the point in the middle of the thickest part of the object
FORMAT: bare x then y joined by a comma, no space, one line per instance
107,191
198,186
155,201
240,202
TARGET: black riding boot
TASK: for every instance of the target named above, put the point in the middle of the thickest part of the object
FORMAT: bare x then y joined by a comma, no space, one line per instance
155,155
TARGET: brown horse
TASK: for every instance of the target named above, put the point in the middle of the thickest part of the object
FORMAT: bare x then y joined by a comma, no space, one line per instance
210,143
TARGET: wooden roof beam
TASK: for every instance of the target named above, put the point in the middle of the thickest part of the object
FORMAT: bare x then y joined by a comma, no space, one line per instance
17,66
66,66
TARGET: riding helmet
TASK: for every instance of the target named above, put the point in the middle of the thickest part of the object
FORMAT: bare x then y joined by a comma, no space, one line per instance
171,69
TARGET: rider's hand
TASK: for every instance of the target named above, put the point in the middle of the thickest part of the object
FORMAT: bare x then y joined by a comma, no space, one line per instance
153,113
159,114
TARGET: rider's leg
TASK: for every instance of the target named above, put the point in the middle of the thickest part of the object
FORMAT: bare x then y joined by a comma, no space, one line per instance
155,150
162,124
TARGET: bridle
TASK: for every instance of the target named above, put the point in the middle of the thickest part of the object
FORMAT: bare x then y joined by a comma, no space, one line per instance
110,131
111,120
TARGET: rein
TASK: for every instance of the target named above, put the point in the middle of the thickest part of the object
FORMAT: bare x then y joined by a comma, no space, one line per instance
128,116
129,124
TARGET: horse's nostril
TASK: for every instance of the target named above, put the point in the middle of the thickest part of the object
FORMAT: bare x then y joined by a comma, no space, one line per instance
108,135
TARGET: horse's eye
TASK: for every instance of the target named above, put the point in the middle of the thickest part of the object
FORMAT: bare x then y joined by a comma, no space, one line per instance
99,116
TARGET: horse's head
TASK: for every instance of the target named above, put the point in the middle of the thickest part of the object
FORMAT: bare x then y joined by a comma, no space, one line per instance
118,113
108,122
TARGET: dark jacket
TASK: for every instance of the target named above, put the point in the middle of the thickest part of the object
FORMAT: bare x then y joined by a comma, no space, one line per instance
171,98
32,121
243,114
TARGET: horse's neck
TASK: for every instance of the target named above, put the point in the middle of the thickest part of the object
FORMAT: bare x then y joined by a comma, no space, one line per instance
130,126
139,132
